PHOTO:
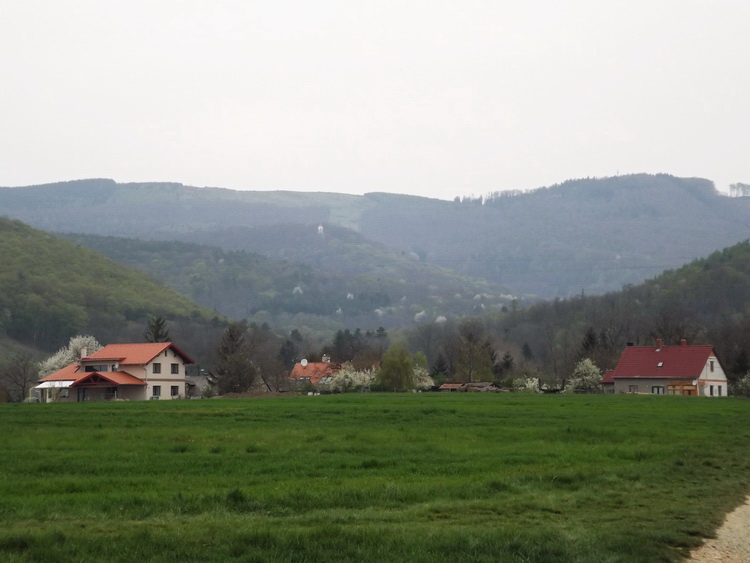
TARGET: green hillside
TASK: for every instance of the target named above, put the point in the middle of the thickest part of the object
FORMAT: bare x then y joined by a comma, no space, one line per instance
52,289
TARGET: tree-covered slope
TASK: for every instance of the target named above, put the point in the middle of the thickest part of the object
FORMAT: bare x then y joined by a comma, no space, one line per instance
590,236
52,289
704,302
332,279
167,209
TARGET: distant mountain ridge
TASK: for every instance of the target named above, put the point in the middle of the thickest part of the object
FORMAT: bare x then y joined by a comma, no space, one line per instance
591,235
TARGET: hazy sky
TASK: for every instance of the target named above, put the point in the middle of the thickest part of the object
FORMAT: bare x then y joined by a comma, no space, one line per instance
429,98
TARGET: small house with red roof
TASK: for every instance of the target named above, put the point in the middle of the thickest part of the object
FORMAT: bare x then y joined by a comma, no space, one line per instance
136,372
668,370
313,372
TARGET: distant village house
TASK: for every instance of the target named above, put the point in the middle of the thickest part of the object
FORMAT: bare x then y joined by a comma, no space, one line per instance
668,370
312,373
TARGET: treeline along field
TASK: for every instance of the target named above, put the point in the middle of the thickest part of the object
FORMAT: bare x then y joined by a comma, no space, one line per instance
371,477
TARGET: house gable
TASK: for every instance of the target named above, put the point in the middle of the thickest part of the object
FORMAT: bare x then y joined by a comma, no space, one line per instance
107,379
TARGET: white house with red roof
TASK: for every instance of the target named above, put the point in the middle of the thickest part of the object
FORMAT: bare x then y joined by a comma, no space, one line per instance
135,372
668,370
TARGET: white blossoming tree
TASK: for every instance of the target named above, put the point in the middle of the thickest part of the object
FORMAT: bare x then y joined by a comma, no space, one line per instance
586,378
69,354
526,385
348,379
422,379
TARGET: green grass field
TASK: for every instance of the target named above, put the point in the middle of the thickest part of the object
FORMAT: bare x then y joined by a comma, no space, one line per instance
371,477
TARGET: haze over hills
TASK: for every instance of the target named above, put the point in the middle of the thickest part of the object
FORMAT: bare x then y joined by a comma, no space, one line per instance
591,236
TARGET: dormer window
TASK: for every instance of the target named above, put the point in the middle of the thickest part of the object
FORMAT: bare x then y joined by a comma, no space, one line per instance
660,364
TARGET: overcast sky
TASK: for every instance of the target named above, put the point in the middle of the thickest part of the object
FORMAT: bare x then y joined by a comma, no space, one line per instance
429,98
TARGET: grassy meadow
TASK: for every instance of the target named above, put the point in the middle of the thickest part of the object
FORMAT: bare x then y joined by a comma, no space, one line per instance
371,477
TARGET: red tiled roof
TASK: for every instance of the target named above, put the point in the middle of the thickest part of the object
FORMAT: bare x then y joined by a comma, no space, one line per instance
67,373
136,354
608,376
107,378
314,370
668,362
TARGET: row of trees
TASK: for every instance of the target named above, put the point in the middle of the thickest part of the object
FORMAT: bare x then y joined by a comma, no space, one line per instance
252,358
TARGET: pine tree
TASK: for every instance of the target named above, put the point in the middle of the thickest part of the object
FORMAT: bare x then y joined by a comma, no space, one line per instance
157,330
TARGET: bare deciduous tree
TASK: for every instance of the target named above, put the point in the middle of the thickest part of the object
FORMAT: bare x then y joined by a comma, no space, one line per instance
19,375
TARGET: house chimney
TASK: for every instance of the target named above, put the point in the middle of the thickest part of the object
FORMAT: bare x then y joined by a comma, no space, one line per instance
683,342
658,343
84,352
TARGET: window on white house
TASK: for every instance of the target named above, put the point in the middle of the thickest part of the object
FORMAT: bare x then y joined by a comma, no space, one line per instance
157,391
175,369
632,389
711,366
657,390
157,367
711,390
175,390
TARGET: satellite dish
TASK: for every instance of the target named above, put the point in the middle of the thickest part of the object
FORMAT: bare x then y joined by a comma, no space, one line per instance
303,362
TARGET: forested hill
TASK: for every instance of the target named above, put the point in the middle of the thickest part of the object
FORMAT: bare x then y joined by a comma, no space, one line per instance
332,279
589,236
52,289
704,302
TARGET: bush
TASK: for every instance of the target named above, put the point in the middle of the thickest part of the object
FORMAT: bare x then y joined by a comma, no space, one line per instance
526,385
742,387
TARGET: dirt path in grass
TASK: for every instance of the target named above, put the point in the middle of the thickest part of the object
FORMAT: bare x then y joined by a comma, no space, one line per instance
732,542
